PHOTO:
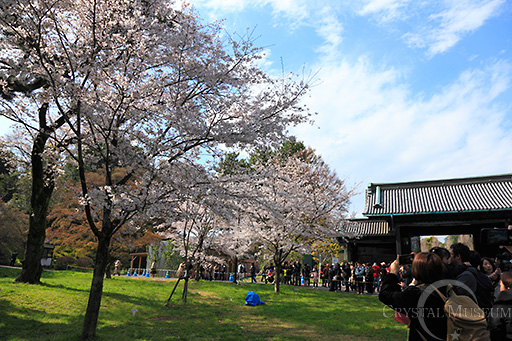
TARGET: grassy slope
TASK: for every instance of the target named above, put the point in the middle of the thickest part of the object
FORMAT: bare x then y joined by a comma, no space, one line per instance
214,310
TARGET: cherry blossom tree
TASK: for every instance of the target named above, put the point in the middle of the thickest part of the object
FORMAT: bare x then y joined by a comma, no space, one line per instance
235,240
295,199
141,85
24,99
207,221
192,213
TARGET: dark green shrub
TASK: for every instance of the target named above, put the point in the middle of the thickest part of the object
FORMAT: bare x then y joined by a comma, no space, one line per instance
84,262
63,262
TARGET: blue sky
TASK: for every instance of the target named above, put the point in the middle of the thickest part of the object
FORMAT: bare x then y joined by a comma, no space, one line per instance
405,89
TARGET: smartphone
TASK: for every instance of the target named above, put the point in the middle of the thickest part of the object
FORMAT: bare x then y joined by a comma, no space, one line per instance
405,259
496,237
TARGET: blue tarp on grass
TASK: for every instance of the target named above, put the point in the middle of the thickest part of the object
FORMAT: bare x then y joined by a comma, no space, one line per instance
253,299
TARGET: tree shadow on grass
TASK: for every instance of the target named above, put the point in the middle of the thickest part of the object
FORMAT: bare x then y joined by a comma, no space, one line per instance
16,324
9,272
64,287
116,296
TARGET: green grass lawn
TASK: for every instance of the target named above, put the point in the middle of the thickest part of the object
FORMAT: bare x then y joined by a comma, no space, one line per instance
214,311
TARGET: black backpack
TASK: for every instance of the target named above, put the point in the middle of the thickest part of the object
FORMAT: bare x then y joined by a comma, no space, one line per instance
484,289
369,273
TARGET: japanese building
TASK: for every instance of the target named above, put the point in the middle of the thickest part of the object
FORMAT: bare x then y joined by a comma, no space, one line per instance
398,214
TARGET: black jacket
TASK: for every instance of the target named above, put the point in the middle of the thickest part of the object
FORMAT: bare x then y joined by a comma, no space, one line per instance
346,271
478,282
500,317
484,290
406,302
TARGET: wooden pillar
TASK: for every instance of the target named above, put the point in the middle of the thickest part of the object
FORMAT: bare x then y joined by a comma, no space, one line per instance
476,241
348,250
398,240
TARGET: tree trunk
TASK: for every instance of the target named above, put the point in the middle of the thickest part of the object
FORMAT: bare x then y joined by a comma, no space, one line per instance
93,306
235,275
42,189
278,260
108,270
277,276
186,277
185,290
32,269
173,290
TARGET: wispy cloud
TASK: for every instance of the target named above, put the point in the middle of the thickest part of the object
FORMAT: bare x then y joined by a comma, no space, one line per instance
291,9
434,26
322,16
385,10
447,27
330,29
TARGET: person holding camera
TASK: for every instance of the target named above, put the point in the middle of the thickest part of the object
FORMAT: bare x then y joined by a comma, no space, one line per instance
426,319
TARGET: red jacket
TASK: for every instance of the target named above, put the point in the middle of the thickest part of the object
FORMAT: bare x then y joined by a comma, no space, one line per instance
376,271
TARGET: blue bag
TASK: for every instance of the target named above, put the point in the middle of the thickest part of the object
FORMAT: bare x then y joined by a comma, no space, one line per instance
253,299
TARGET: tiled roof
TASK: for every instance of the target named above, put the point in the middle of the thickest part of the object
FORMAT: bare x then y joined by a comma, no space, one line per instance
490,193
365,227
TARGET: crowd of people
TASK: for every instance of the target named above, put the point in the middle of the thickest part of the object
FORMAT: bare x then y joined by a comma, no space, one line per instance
349,277
487,281
358,277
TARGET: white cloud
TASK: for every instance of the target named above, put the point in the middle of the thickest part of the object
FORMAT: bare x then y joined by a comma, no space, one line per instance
291,9
457,19
435,26
371,128
265,62
385,10
293,13
330,29
290,15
